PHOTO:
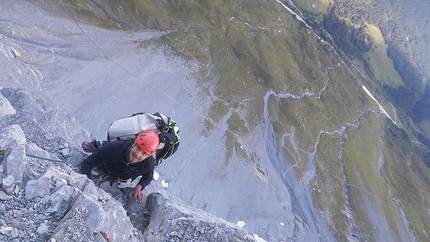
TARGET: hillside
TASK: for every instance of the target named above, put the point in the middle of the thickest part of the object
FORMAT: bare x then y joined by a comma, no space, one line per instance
281,127
395,57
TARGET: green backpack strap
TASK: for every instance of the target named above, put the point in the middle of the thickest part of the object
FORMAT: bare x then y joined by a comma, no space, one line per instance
169,136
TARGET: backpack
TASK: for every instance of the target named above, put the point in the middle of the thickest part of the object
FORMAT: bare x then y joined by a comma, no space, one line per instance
128,128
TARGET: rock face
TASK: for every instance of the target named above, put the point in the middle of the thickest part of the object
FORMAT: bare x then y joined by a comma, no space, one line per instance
180,222
5,107
43,198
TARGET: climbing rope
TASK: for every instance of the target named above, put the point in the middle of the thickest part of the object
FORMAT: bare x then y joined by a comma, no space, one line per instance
41,158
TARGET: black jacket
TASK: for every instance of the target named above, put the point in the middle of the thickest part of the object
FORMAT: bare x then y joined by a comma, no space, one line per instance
112,159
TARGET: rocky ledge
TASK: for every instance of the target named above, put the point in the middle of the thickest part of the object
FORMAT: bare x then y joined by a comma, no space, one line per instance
44,198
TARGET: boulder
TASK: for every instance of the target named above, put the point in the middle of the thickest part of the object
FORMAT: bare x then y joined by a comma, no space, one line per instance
12,139
89,219
173,220
5,107
37,188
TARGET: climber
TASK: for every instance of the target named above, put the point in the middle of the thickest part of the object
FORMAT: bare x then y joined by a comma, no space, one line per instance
125,160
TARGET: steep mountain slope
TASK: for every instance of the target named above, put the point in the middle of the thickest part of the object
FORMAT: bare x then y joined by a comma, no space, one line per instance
43,198
277,128
390,39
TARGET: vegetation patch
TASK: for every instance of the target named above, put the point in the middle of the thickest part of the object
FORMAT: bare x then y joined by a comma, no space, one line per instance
327,186
189,45
218,110
368,191
314,6
237,125
380,64
408,176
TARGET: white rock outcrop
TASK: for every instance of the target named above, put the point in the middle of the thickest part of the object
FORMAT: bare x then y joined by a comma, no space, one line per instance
44,198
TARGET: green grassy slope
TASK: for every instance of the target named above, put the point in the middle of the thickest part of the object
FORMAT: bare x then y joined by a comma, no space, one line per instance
380,64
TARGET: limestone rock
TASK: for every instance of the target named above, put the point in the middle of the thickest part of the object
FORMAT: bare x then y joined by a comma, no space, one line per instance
4,196
14,163
5,107
10,135
88,218
172,220
15,160
43,198
37,188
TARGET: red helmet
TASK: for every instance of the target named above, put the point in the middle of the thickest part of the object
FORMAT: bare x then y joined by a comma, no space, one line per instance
148,140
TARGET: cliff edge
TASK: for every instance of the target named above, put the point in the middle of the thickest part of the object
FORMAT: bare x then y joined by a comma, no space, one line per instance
44,198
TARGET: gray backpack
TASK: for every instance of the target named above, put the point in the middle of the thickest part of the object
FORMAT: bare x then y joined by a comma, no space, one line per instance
128,128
